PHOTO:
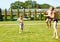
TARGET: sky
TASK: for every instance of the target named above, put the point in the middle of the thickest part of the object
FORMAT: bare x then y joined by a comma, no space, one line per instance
6,3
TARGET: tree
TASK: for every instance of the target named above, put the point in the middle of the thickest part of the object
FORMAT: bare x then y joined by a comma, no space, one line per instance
35,15
28,4
41,15
58,7
11,14
17,4
23,13
44,6
1,18
5,16
17,13
29,14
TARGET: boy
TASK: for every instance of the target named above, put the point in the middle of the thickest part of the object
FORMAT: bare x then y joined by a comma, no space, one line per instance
20,19
54,17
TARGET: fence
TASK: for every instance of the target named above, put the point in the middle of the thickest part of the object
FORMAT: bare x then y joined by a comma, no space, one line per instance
28,14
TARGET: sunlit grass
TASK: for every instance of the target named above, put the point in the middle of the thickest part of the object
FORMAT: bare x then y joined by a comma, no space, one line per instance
34,31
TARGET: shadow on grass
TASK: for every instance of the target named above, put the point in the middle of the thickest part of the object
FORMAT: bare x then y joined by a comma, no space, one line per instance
27,32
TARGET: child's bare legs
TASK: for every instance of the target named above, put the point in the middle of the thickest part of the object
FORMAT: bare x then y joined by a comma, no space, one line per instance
55,30
50,23
21,29
47,23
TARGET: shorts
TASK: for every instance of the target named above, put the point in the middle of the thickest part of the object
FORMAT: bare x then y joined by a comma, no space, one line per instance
21,25
55,20
48,17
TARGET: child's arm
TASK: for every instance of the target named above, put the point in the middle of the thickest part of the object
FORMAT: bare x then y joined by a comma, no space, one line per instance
18,19
45,12
46,15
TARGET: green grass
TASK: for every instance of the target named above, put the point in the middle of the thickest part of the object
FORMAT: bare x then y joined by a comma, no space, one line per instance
34,31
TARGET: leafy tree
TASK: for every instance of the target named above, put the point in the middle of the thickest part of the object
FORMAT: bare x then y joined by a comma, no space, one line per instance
35,15
29,14
23,14
11,14
44,6
17,13
1,18
17,4
5,16
29,4
58,7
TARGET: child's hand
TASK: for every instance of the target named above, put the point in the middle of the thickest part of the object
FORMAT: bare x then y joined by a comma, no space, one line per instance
44,15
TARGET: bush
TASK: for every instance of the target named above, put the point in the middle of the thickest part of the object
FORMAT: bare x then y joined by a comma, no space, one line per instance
1,17
23,13
11,14
5,15
29,14
35,14
41,16
17,15
58,16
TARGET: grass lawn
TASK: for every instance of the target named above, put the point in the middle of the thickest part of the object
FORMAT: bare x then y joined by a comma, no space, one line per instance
34,31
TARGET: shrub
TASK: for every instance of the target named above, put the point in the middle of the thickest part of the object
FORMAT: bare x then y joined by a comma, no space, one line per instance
17,15
1,18
29,14
5,15
35,14
11,14
23,13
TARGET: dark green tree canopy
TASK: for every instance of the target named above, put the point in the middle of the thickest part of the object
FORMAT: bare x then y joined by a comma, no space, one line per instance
28,4
58,7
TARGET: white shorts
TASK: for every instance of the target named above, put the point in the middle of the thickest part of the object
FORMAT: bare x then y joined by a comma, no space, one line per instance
21,25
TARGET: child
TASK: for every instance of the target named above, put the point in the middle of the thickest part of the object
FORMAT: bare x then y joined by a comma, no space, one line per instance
48,20
20,19
54,17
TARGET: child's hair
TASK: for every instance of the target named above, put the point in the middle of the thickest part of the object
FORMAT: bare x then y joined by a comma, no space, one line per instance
52,7
20,16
